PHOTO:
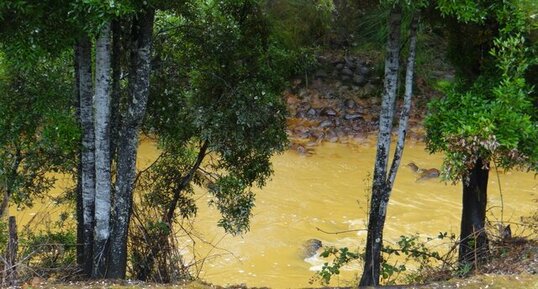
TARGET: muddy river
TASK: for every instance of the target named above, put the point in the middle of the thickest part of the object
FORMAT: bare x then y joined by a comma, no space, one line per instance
313,196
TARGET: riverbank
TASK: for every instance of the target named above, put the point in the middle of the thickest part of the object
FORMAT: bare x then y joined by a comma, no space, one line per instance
340,103
476,282
329,191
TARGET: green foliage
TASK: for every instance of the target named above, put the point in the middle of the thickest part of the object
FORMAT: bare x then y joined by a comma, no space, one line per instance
341,257
32,29
493,118
218,80
464,269
88,16
38,131
408,5
300,23
408,249
4,235
49,252
465,10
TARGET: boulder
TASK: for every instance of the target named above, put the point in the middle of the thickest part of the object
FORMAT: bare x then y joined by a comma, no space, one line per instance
310,247
363,70
345,77
328,112
349,62
326,123
311,112
359,79
352,117
349,103
347,71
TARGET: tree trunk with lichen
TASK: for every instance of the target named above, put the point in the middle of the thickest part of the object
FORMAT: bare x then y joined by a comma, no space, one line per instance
384,178
102,151
380,196
128,140
87,150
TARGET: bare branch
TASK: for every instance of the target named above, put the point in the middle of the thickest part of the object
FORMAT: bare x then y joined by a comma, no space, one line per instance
340,232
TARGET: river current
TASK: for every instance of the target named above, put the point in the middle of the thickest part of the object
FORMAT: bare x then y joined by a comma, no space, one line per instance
316,196
327,192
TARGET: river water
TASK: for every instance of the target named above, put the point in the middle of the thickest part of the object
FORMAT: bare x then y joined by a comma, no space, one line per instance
327,192
313,196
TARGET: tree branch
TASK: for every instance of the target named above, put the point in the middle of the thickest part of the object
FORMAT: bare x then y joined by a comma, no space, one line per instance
340,232
184,182
404,115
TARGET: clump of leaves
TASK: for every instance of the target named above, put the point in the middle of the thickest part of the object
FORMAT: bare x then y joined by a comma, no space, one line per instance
342,256
407,250
490,116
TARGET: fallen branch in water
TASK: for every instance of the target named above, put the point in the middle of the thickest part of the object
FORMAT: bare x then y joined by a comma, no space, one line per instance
340,232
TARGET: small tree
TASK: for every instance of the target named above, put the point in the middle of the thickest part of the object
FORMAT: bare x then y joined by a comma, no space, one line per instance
216,111
384,176
38,132
487,118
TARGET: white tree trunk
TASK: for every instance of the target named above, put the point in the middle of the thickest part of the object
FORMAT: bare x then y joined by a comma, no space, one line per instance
102,149
382,186
406,108
379,200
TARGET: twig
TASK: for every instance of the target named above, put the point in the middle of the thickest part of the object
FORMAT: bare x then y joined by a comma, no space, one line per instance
500,192
340,232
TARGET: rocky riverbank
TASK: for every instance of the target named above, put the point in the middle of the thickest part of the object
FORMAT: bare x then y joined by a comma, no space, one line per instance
340,102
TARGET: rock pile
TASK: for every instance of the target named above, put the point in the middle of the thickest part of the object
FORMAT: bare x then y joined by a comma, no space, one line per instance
341,104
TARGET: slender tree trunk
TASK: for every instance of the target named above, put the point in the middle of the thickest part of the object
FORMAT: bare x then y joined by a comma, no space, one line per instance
87,155
474,245
128,144
146,266
10,264
169,215
380,188
102,150
116,87
78,189
406,108
10,180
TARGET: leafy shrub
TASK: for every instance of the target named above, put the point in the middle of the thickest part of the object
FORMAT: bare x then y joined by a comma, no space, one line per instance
409,248
49,253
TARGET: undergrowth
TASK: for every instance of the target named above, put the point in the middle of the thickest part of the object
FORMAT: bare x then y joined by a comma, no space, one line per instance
416,260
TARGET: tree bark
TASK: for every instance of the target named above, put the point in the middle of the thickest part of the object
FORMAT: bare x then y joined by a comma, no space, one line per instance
128,143
380,186
11,275
9,181
87,154
406,108
474,245
116,88
78,189
169,216
102,150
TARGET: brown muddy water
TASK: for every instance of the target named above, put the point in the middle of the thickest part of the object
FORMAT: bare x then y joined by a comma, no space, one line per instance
327,192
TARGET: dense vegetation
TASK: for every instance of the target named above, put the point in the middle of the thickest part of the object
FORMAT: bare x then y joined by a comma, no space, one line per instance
81,81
